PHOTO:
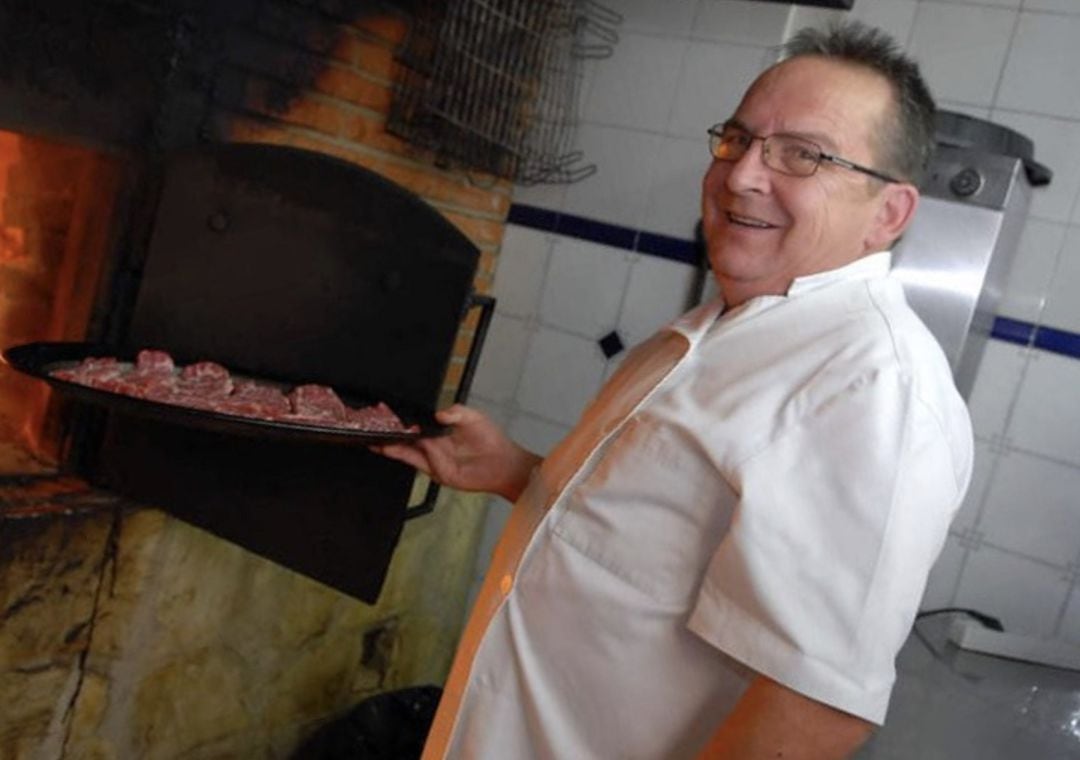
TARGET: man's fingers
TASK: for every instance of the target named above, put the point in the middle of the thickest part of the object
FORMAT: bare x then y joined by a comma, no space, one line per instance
404,452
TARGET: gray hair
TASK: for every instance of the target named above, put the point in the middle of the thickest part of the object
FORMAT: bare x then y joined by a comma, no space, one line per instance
907,141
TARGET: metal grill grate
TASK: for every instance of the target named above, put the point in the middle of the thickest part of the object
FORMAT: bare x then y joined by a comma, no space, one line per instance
493,85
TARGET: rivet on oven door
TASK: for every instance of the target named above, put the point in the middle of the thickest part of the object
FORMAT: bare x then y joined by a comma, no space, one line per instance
218,221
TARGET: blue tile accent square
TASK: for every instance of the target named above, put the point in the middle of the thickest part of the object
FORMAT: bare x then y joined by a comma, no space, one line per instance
611,344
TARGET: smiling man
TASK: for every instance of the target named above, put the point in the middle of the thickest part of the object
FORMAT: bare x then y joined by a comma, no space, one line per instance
725,555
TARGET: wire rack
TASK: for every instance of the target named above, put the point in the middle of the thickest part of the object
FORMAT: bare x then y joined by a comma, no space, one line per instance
493,85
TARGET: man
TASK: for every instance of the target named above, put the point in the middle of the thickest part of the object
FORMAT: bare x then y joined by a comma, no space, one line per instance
725,555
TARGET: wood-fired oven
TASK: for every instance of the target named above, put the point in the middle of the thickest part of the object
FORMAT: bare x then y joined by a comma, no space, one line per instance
215,180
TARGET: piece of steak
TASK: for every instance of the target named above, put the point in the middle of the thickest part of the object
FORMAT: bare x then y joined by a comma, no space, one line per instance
153,362
377,418
91,370
252,399
207,379
316,403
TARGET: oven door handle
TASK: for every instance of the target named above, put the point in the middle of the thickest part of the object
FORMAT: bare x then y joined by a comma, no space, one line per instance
487,310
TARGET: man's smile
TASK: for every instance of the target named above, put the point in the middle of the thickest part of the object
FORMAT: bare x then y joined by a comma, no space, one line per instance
749,221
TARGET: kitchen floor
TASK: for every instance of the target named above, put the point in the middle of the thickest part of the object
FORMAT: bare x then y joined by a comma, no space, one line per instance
954,704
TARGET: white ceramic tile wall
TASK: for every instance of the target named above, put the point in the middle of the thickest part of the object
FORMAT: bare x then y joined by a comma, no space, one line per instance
714,78
619,191
635,87
1027,596
1062,306
1057,143
1013,550
584,287
1043,527
675,190
1030,276
1060,6
1040,75
1046,419
961,48
658,291
994,394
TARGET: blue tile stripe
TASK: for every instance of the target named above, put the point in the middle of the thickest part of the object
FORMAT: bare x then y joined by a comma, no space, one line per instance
1042,337
1012,331
688,252
617,236
1058,341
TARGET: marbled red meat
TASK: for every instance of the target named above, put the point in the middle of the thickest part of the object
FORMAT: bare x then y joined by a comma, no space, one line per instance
209,386
151,362
316,402
207,379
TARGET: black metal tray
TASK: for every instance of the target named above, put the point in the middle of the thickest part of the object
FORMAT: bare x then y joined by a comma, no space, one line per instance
40,359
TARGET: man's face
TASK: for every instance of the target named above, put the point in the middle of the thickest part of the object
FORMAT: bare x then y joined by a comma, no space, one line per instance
764,228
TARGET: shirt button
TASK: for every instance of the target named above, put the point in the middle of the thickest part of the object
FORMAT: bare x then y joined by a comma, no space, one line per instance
506,584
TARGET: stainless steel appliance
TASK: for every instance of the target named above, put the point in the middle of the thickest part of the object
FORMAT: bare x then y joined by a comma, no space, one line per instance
954,259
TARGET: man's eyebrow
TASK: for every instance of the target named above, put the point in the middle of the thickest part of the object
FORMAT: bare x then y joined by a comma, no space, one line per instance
821,140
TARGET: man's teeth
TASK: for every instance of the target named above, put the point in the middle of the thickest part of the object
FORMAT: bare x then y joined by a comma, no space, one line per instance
745,220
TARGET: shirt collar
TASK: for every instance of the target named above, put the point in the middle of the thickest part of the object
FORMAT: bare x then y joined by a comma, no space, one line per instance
867,267
697,321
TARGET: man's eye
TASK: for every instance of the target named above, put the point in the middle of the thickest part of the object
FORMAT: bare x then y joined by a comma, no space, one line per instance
800,153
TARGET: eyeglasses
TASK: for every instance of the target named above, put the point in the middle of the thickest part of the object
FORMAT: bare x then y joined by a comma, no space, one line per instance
786,154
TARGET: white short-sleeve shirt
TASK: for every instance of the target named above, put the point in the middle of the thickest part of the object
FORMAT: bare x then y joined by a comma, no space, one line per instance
762,491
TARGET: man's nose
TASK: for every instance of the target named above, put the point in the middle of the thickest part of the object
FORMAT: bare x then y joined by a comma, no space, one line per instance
749,173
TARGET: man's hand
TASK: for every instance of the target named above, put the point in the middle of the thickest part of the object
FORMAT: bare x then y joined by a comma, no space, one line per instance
475,456
772,721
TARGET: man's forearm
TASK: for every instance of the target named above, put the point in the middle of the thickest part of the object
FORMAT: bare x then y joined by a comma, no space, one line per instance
772,721
519,466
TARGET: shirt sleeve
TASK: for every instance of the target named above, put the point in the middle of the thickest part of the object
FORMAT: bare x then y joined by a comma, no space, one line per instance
840,518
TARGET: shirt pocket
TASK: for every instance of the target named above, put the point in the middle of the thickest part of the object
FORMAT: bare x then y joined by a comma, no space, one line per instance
650,510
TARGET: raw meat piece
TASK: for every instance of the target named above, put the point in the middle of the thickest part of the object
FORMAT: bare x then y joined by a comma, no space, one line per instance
316,402
251,399
378,418
91,370
151,362
207,379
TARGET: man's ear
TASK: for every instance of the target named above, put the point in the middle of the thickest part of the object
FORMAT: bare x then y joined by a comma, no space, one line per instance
896,209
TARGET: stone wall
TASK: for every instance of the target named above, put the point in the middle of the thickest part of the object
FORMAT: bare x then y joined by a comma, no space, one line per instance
128,634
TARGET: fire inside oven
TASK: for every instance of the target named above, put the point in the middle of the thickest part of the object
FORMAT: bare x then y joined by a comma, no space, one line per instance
291,267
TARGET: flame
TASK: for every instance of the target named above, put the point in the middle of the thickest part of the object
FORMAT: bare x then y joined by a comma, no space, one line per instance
55,200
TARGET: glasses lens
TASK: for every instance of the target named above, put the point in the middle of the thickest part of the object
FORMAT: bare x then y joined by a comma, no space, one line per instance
727,143
791,155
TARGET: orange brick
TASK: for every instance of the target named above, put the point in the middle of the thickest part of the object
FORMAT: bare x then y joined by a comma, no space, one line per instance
371,57
463,342
371,131
471,320
488,262
483,283
353,87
